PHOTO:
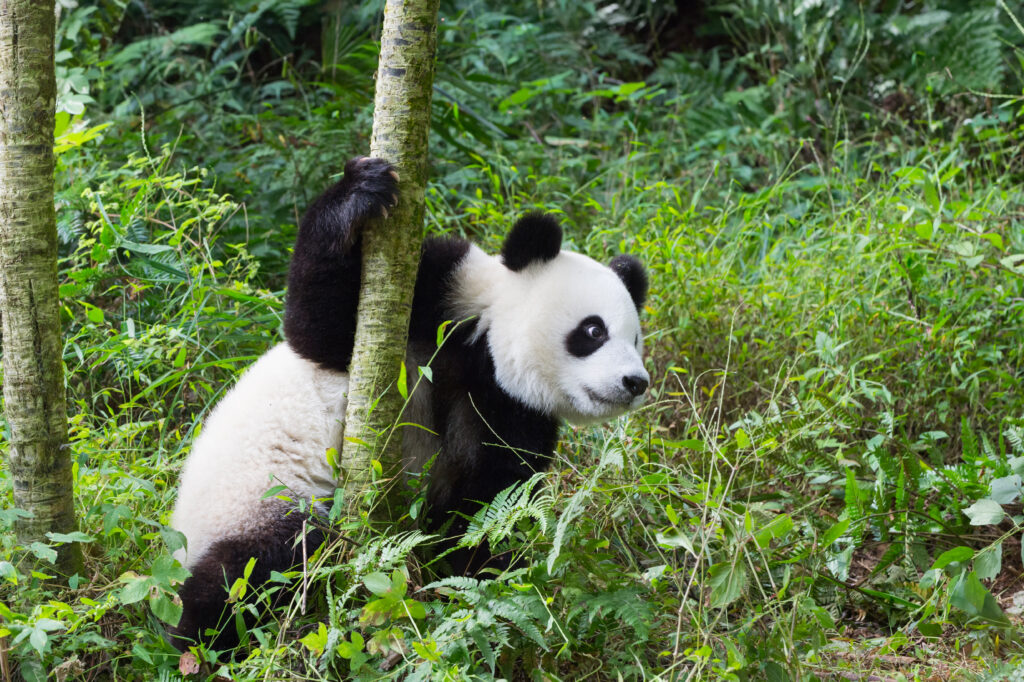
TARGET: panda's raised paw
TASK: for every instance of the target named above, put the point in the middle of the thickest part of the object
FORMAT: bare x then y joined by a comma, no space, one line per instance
375,182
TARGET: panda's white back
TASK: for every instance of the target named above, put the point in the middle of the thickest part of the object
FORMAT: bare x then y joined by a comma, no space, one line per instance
273,428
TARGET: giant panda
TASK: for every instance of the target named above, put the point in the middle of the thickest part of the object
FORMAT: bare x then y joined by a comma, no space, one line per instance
544,335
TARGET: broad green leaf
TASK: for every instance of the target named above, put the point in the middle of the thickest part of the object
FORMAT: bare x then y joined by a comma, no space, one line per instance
955,555
989,562
8,572
676,538
398,583
415,609
165,608
1014,262
427,649
377,583
727,583
971,597
1006,489
774,529
166,570
985,512
316,641
136,590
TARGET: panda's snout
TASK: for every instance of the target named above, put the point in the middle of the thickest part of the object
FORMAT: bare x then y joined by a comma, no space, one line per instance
635,384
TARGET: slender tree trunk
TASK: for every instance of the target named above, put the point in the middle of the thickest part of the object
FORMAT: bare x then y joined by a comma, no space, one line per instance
391,248
33,371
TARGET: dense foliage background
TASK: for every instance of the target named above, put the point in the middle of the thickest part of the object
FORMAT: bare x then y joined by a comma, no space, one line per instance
826,482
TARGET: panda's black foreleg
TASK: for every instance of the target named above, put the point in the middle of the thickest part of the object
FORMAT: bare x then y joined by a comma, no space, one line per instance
323,281
475,464
478,480
204,595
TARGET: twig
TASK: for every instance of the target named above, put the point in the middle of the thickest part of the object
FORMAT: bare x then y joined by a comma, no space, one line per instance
305,572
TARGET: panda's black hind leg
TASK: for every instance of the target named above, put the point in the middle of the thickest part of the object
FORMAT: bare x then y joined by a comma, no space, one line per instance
323,280
204,594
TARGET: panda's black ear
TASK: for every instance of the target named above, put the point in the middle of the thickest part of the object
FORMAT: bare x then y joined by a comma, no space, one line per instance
535,237
631,271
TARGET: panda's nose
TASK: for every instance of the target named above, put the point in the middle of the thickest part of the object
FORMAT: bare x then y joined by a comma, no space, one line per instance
635,384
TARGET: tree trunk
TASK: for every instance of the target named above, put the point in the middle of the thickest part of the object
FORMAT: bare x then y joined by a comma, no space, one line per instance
391,247
32,350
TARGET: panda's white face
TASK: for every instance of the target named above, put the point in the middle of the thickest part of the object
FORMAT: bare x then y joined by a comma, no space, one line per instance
566,340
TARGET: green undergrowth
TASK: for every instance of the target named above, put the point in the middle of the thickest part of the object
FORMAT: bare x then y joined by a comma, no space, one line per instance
825,482
829,464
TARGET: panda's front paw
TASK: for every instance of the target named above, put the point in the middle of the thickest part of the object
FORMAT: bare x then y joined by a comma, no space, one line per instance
373,182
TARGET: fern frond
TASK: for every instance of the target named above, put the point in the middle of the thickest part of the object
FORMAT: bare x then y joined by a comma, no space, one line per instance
513,504
455,582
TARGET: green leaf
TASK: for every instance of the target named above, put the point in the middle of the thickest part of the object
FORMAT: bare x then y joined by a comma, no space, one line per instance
955,555
676,538
8,572
136,590
273,492
38,640
166,570
316,641
1014,262
835,532
440,332
1006,489
427,649
403,382
165,608
377,611
44,552
415,609
971,597
989,562
985,512
773,672
398,583
247,571
238,590
76,536
773,530
727,583
520,96
94,314
350,649
377,583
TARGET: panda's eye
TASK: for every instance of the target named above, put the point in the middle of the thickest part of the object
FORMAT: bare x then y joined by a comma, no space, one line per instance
589,335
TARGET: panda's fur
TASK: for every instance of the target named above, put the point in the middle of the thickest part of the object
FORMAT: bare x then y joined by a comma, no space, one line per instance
542,335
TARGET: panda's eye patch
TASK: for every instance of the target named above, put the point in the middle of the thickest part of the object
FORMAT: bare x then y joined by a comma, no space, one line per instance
589,335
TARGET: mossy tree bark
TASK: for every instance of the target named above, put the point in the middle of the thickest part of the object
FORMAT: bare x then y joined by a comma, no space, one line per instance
34,402
391,247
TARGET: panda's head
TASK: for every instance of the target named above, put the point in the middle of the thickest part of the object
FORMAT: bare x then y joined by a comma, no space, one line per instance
563,329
